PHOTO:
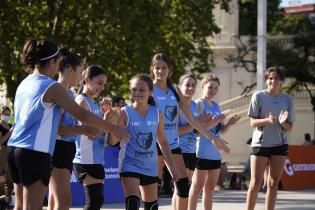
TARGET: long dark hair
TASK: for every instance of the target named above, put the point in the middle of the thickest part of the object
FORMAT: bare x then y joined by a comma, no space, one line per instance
91,72
147,79
38,53
68,59
163,57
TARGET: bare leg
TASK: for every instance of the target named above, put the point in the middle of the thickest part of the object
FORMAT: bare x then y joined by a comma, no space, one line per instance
149,192
190,173
181,202
198,181
59,190
130,186
222,175
18,190
258,166
276,168
33,196
209,187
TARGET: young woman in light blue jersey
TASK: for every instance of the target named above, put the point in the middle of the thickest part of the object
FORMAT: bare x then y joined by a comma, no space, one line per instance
89,157
36,116
169,100
208,155
187,134
271,115
70,71
138,155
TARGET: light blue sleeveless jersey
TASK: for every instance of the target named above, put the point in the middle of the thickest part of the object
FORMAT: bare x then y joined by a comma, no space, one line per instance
139,155
187,141
90,151
35,122
168,105
68,120
205,148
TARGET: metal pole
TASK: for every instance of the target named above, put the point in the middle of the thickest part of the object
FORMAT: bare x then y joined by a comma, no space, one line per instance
261,42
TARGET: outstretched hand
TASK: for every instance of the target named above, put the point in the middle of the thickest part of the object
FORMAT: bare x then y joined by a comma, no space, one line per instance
221,145
91,132
234,119
120,133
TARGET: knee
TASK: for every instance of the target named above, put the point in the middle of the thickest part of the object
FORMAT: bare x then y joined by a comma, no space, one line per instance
255,184
63,202
273,182
132,202
182,187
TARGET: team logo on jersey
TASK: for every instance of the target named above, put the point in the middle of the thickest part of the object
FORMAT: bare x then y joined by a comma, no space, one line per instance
144,140
170,112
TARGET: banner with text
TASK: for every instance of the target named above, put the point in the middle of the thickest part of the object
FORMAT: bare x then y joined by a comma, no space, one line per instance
299,169
113,192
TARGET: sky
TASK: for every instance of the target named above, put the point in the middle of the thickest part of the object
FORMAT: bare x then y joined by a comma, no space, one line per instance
296,2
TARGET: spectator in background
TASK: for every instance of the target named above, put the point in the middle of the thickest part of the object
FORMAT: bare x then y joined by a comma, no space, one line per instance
5,132
307,139
118,102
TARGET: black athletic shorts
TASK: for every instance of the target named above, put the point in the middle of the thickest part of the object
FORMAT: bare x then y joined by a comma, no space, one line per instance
27,166
174,151
205,164
144,179
281,150
96,171
63,155
190,160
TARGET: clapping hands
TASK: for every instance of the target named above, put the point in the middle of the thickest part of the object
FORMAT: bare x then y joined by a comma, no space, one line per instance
283,116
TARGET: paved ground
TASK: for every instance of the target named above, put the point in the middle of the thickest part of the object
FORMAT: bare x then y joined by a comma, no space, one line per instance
235,200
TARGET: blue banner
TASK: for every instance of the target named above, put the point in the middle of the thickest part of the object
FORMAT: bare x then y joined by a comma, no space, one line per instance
113,192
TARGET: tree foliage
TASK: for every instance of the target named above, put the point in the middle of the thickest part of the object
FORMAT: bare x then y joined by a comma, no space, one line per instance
119,35
296,56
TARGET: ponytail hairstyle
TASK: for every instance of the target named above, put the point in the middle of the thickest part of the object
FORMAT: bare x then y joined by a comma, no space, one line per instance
90,72
147,79
163,57
209,77
38,54
182,78
68,59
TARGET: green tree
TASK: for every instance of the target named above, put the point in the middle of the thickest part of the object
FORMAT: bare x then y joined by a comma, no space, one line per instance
248,16
119,35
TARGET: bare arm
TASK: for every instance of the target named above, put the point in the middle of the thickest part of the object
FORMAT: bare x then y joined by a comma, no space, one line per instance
255,122
165,148
56,93
184,106
122,121
79,130
182,129
230,122
283,117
